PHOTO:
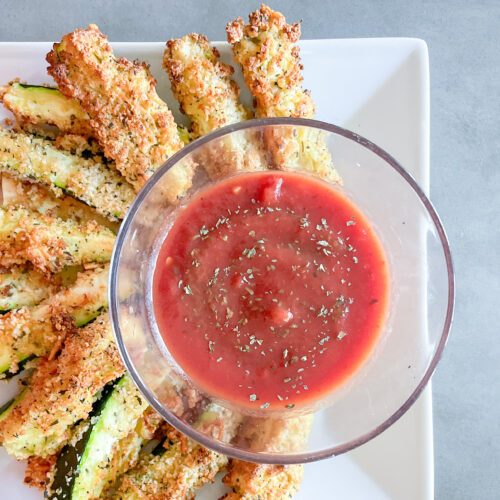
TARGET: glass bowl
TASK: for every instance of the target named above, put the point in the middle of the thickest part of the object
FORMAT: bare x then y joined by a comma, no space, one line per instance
403,359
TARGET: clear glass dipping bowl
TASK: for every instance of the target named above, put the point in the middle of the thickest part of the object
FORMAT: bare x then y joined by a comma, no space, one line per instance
410,346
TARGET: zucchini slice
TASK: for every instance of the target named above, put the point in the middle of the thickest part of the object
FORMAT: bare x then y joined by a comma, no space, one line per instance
87,180
64,470
33,331
39,198
45,106
51,244
9,405
104,447
62,392
181,466
20,286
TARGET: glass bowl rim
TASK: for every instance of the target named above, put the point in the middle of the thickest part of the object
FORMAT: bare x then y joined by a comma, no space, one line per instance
276,458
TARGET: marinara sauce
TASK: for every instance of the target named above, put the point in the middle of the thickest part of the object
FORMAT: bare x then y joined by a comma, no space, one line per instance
270,289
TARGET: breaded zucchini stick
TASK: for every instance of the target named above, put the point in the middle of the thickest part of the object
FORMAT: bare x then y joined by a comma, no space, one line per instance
250,481
209,97
48,243
176,474
202,84
62,392
36,330
34,196
133,125
39,105
266,51
92,182
21,286
184,466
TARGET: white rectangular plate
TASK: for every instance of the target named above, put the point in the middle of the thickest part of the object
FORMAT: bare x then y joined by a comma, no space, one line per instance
378,88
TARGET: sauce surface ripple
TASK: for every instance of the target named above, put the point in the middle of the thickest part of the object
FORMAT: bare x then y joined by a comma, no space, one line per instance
270,289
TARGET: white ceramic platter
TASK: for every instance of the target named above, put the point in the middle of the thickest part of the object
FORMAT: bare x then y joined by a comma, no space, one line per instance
378,88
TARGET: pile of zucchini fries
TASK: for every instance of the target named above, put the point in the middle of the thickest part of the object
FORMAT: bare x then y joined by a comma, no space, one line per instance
71,165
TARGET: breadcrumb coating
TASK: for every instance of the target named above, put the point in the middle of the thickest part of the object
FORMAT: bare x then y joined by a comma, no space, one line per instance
23,286
266,51
26,156
33,196
250,481
38,470
48,243
39,330
209,97
62,392
202,84
133,125
176,474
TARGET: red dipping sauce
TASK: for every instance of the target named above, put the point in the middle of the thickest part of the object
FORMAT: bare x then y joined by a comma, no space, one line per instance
270,289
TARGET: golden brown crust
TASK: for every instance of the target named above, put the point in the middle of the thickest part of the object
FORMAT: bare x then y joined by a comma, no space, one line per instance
202,84
132,124
38,470
33,196
250,481
209,97
48,243
175,475
266,51
62,392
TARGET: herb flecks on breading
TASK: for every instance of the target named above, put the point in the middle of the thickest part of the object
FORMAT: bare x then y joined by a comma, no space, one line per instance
266,51
50,244
62,392
202,84
37,330
269,57
94,183
133,125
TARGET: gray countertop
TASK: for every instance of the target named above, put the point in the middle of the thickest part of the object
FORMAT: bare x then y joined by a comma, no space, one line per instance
463,39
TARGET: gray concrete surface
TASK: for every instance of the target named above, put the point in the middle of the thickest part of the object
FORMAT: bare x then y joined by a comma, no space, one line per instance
464,46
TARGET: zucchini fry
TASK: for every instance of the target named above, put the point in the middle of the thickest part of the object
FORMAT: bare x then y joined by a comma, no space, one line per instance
108,446
48,243
176,474
202,84
62,392
36,330
92,182
22,286
266,51
184,466
250,481
209,97
39,105
133,125
36,197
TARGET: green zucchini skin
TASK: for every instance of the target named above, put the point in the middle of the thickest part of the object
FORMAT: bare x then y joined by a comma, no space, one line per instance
89,181
41,105
66,468
7,407
89,462
84,300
